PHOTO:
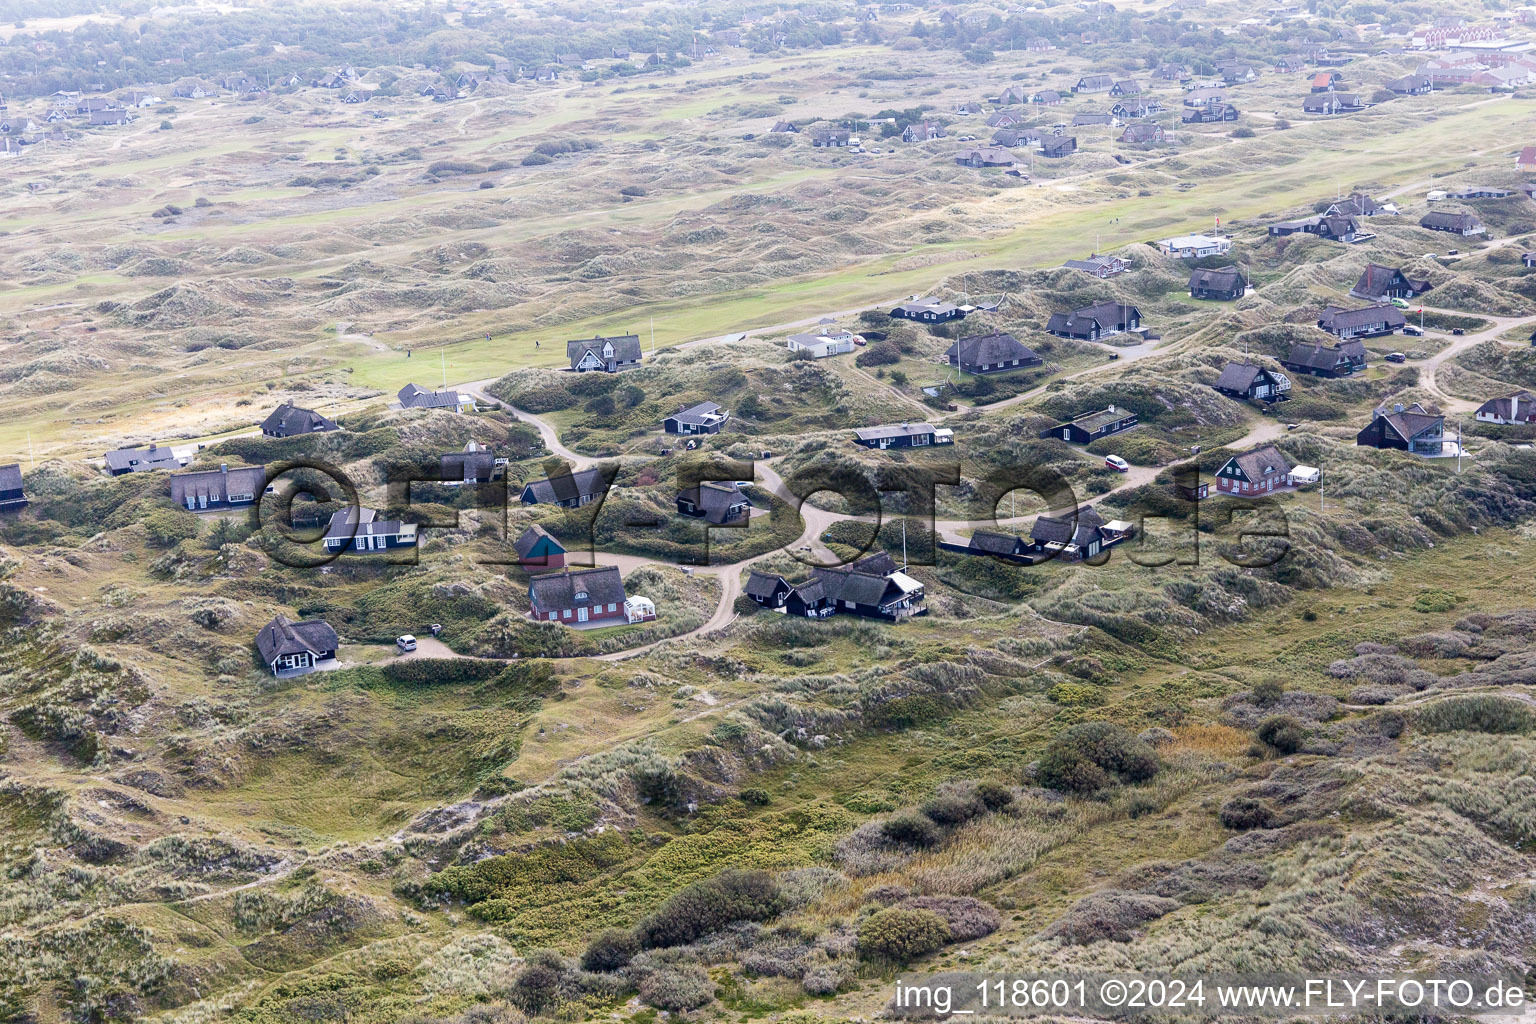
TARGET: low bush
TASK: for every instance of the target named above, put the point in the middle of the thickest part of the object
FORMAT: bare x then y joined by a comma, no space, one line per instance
995,795
881,354
966,917
953,808
1242,813
609,950
1109,916
899,935
1085,758
1487,713
1281,733
677,988
705,907
910,829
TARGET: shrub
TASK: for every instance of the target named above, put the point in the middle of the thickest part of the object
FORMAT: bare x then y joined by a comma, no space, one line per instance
898,935
1389,723
683,987
1242,813
752,796
912,830
994,795
535,159
704,907
609,950
1268,693
1281,733
487,184
168,527
1110,915
880,354
442,167
1486,713
953,808
966,917
537,986
1085,758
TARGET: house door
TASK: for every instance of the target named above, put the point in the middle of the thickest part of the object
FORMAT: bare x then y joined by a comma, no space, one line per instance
581,614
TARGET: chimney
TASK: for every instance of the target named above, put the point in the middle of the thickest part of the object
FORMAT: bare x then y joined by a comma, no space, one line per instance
1110,409
1398,407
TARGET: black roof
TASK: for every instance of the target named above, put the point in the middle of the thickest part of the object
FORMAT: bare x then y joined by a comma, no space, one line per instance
567,487
283,636
1336,318
1237,376
994,543
715,500
289,419
1224,279
1314,357
626,349
1049,529
413,397
988,349
141,459
602,585
763,584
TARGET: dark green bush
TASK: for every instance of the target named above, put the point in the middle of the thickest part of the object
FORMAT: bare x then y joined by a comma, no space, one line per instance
1085,758
879,354
1242,813
1282,733
995,795
704,907
442,671
953,809
609,950
912,830
537,985
898,936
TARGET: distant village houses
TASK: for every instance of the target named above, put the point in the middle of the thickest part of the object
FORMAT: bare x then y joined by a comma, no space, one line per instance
1413,429
288,420
1090,427
413,396
607,355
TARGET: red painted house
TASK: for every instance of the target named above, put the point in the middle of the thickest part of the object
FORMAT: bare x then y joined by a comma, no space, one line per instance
578,597
1250,474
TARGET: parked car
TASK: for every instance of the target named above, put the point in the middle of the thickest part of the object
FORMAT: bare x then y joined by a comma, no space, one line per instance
1457,330
858,340
1292,426
405,643
1396,357
1116,463
691,445
1411,329
1400,303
